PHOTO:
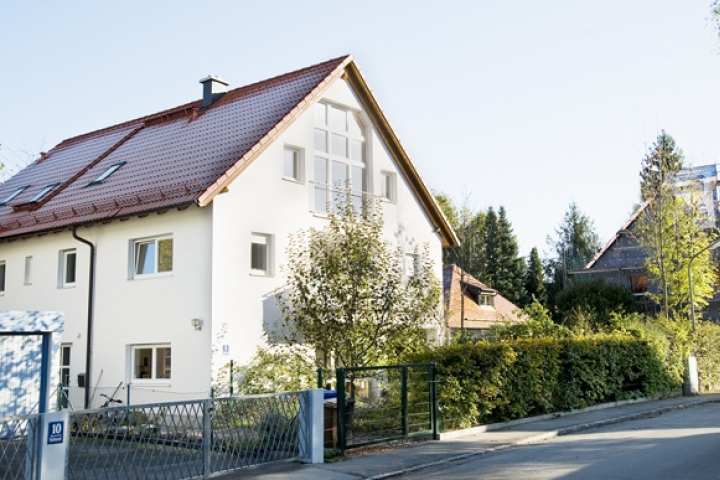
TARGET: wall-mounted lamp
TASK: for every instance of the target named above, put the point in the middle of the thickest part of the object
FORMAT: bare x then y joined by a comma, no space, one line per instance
197,323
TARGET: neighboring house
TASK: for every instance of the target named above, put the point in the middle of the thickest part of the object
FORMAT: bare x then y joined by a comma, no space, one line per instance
188,212
481,307
622,260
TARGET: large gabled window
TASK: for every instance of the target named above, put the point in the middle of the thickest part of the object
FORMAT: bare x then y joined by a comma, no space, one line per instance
103,176
14,194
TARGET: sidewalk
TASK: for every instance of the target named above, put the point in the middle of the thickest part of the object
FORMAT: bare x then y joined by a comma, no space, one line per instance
459,445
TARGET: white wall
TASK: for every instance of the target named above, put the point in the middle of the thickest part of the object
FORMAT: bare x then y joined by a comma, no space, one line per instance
127,311
261,201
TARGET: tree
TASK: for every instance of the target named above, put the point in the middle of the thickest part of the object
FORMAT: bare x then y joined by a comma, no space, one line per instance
534,279
672,229
349,296
589,305
469,226
573,246
505,268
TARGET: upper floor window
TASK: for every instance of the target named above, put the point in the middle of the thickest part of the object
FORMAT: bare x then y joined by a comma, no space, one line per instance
387,186
110,170
152,255
14,194
261,254
66,268
293,164
340,163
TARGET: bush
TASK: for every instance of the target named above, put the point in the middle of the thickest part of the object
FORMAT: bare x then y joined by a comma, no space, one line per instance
587,306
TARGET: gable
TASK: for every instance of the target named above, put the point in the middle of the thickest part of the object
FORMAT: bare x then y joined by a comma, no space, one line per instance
182,156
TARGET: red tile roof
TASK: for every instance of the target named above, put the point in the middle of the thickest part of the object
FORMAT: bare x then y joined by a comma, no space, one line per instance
173,158
476,316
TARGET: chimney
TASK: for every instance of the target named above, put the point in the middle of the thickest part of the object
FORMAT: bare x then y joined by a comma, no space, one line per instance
213,89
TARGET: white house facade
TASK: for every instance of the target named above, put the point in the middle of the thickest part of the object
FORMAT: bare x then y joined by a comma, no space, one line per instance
186,215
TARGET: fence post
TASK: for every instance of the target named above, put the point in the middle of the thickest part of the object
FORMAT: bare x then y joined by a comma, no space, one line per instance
404,395
128,394
311,426
319,378
340,377
435,401
231,377
207,437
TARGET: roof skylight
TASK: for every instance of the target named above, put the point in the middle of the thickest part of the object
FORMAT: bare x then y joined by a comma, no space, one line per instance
111,169
44,192
14,194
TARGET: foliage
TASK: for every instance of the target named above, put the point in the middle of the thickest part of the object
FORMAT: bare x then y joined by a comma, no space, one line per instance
587,305
489,381
534,280
348,295
277,368
573,246
469,226
672,231
706,344
538,325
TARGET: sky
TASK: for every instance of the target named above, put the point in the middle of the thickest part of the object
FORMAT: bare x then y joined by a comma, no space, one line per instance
529,105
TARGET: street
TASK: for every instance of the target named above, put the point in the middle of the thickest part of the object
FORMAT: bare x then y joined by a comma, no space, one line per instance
679,445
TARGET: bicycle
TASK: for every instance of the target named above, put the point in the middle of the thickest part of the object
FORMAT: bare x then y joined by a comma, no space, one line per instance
111,421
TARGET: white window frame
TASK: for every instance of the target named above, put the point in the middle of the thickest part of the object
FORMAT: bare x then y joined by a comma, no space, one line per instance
298,161
411,267
63,267
267,240
28,270
65,362
329,188
134,257
3,276
152,369
388,186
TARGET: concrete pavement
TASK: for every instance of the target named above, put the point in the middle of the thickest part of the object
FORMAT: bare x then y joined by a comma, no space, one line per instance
395,462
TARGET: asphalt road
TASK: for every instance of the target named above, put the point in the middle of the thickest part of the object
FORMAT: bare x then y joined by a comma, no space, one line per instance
680,445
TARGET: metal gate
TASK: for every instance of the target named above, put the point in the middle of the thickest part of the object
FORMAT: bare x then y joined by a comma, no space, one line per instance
385,403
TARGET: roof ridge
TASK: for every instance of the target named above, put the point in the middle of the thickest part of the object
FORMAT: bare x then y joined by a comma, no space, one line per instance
194,103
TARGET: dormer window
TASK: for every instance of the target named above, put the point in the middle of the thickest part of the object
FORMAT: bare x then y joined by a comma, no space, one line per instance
44,192
13,195
111,169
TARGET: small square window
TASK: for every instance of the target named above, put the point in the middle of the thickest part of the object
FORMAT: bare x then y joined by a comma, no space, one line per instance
293,164
261,254
66,268
151,362
152,256
387,186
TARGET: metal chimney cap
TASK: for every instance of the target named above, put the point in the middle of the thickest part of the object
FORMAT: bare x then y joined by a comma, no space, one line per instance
212,78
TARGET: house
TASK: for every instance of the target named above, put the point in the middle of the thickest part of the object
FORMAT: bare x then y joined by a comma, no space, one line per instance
622,260
472,305
162,238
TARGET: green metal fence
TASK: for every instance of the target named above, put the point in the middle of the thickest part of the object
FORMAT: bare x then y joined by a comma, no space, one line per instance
380,404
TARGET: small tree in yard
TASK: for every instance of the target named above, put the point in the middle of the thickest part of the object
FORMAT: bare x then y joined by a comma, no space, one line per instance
349,295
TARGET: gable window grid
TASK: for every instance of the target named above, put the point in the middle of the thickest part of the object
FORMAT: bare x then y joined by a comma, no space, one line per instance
67,266
387,186
261,254
293,164
151,362
14,194
103,176
486,300
152,256
340,159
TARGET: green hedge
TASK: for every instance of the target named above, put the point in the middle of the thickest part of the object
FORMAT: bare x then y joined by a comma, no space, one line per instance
485,382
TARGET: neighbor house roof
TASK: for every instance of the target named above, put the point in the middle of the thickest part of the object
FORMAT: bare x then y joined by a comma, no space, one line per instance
614,239
182,156
476,316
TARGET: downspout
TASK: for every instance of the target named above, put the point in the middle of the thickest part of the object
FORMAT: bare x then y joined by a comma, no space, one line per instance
91,302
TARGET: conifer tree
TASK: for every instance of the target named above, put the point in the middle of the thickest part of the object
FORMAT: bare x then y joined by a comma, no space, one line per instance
534,279
509,273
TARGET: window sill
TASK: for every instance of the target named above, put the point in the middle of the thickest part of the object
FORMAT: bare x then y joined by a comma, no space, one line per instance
64,287
150,382
293,180
262,274
149,276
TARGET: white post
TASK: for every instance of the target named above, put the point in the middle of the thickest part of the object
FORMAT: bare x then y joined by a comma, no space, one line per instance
52,445
312,427
690,386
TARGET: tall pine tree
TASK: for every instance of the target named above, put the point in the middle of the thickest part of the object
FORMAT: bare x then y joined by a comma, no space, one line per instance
534,279
509,278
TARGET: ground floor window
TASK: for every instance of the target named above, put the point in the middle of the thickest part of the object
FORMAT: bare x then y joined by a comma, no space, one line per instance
151,362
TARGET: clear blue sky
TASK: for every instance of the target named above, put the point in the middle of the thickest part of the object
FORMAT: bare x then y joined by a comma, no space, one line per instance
527,104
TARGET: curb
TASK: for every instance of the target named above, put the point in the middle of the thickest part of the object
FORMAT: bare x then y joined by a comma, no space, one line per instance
546,436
